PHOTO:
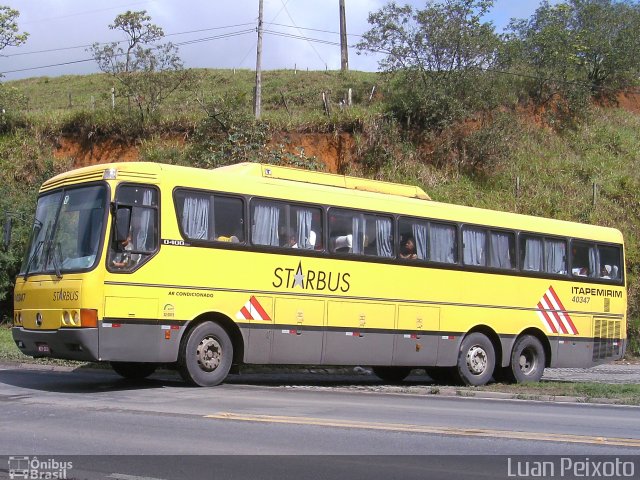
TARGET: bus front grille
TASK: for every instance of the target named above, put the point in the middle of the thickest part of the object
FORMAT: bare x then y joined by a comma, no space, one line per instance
606,338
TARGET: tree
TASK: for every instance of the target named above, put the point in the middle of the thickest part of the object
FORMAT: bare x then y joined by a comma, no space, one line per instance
544,49
435,56
9,36
577,48
147,71
608,47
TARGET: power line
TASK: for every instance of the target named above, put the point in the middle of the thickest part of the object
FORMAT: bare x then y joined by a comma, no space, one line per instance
215,37
313,29
188,42
76,47
17,54
301,37
47,66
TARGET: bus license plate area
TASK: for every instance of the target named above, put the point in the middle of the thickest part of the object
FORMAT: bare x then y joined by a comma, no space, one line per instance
43,348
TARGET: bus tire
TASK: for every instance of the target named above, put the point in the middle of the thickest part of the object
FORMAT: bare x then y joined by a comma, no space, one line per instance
392,374
442,375
206,355
134,370
527,360
476,360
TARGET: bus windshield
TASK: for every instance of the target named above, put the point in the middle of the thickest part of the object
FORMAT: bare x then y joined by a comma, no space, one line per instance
67,231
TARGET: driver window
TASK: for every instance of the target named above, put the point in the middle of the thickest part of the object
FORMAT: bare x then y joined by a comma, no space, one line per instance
142,238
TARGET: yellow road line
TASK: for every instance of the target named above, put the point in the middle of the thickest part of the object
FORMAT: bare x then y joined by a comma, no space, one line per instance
403,427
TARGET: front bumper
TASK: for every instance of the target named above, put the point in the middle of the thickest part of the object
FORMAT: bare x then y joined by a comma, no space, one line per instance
66,343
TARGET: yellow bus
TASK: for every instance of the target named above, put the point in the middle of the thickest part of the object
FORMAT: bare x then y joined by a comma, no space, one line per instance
143,264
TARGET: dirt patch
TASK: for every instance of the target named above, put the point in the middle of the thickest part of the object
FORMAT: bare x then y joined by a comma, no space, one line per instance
87,152
335,150
629,102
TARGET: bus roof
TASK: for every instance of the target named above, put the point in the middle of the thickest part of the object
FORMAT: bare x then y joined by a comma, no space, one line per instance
326,188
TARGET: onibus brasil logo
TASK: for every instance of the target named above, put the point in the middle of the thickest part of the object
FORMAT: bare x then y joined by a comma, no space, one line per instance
35,468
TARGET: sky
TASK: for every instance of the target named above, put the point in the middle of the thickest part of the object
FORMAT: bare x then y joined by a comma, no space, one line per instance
209,33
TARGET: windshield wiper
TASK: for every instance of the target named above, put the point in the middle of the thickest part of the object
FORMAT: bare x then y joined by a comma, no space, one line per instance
33,257
56,248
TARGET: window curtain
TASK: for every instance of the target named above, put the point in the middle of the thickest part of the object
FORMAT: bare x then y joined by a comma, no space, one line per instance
442,243
383,237
145,222
500,255
265,226
533,254
357,226
594,271
474,242
555,257
303,219
420,237
195,217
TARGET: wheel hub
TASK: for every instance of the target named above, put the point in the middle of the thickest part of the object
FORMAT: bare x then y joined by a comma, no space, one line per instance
477,360
527,361
209,354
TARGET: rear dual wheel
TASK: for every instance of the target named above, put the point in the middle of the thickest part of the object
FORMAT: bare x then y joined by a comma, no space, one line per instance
527,360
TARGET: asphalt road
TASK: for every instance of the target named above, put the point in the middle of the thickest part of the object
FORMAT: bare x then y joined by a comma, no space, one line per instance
62,414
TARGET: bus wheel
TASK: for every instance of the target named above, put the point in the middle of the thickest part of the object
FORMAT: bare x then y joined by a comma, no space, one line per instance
441,375
476,360
134,370
527,360
206,355
392,374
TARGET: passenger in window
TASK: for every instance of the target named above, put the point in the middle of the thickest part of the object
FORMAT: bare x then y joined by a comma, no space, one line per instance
343,243
124,258
605,272
580,271
224,238
408,249
293,241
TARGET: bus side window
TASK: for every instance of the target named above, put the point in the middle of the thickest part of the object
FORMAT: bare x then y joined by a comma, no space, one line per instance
609,262
531,251
502,247
341,237
206,216
443,243
305,227
413,239
268,223
228,219
584,259
555,256
378,237
474,246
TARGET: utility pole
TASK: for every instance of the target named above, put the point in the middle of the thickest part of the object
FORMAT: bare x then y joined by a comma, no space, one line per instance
344,51
258,88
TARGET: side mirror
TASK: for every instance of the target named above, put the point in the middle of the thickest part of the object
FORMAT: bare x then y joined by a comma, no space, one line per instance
7,233
123,223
